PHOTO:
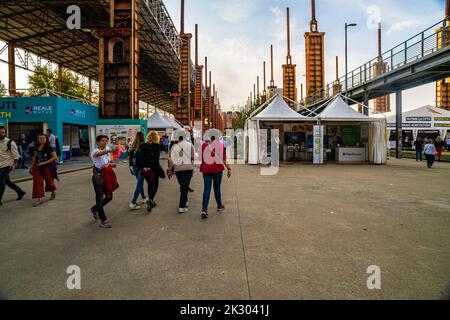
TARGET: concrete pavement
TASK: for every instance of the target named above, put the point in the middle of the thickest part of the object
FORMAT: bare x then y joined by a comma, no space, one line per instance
307,233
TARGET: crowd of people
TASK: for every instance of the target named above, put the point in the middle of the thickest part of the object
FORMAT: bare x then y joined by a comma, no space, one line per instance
144,163
430,149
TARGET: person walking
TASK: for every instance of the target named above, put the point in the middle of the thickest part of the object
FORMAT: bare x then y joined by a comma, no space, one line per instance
147,160
103,179
22,145
430,153
212,168
43,169
9,158
439,144
418,144
139,190
181,162
51,138
448,143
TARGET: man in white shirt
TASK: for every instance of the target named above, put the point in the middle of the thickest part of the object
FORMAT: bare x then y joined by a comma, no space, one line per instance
51,138
9,157
101,159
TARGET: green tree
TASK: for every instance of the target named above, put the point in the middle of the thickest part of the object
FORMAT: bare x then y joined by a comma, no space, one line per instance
2,90
244,114
72,84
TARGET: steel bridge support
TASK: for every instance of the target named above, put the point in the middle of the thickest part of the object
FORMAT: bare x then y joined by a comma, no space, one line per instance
399,124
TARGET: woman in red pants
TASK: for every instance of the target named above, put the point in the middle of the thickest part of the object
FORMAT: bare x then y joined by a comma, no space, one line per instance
43,169
439,144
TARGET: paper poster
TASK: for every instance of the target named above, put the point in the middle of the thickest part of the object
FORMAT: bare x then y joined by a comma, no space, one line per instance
119,137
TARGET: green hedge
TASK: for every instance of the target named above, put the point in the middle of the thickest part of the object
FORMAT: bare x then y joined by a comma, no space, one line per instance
412,155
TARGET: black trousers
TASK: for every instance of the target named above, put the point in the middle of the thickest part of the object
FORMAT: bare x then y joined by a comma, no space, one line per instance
184,179
6,181
100,201
153,186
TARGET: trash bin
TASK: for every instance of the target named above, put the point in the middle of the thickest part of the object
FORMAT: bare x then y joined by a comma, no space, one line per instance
75,152
66,153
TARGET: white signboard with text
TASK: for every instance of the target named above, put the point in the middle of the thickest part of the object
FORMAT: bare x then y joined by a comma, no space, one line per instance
318,144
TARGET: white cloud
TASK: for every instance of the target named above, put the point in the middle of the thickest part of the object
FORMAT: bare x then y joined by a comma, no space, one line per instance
403,25
233,11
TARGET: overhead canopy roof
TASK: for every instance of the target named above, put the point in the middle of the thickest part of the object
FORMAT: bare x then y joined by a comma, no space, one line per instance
156,121
339,110
278,110
40,27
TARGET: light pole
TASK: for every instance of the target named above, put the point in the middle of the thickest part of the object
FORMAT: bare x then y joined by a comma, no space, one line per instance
346,55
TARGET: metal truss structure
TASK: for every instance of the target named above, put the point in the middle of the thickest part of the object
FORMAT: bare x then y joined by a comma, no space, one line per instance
40,28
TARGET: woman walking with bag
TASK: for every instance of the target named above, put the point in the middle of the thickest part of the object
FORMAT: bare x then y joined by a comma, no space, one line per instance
147,160
139,190
43,169
181,162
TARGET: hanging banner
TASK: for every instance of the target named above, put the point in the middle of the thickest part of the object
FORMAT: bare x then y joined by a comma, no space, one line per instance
318,144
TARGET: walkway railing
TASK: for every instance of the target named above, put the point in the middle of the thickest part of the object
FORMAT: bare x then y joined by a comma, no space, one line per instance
417,47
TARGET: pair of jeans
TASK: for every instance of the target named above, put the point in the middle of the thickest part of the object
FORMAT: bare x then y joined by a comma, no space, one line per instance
184,179
6,181
100,201
139,185
430,160
419,155
210,180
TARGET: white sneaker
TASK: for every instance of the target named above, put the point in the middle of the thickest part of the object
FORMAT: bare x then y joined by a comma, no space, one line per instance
145,201
134,206
187,204
183,210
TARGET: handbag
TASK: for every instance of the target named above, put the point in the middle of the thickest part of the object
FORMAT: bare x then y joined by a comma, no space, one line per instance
98,177
148,174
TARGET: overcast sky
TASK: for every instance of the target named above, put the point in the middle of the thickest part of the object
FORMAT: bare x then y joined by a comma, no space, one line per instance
236,35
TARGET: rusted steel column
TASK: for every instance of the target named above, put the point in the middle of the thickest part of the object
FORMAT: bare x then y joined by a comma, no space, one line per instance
59,79
315,56
443,86
381,104
12,70
289,70
198,91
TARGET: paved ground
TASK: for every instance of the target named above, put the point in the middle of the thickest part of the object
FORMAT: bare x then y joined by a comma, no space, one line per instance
307,233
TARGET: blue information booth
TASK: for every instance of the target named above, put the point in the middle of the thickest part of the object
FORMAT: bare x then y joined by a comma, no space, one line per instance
71,121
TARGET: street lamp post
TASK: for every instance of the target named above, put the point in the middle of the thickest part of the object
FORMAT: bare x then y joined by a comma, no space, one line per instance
346,55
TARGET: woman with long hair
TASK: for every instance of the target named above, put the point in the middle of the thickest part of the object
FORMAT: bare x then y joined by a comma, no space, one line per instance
147,161
139,190
43,169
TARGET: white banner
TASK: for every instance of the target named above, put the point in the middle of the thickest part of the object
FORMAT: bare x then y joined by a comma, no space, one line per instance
318,144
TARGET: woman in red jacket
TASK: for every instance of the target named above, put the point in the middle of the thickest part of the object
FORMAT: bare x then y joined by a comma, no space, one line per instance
213,165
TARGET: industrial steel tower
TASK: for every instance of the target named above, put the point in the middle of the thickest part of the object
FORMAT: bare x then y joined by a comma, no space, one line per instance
443,86
264,93
119,62
382,104
198,92
315,59
182,98
207,101
272,88
289,70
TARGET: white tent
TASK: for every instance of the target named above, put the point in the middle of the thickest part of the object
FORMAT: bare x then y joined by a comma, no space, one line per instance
426,118
339,110
278,110
174,123
158,122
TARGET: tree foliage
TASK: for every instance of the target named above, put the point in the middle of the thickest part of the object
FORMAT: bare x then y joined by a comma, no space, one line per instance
2,90
72,84
244,114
